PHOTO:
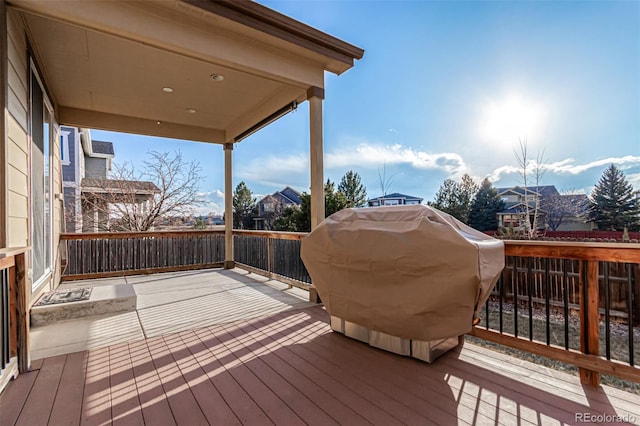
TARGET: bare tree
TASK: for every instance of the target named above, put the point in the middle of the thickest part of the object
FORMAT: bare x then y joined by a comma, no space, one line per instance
384,180
531,172
559,208
129,201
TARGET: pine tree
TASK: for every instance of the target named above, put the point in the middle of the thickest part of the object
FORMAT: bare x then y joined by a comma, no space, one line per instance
243,207
612,204
485,206
353,189
455,198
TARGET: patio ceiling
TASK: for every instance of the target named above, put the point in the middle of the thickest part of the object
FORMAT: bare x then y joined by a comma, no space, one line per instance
106,64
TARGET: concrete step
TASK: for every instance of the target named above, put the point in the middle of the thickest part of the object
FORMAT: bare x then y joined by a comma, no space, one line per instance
103,300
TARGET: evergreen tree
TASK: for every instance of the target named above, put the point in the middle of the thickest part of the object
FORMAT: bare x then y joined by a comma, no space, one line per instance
288,220
353,189
334,201
613,205
485,206
455,198
244,204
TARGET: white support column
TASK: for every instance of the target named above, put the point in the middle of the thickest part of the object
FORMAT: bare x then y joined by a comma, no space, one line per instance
228,207
315,96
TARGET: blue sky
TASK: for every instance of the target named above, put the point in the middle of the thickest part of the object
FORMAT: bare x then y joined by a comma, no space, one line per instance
447,88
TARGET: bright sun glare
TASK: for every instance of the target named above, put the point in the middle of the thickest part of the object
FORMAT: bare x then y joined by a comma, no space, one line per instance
510,119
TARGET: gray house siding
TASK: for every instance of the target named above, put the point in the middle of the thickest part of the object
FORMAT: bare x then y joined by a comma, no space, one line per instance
95,168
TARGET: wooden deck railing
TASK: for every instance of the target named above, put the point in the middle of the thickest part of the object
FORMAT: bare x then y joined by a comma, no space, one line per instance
14,337
557,299
273,254
108,254
573,302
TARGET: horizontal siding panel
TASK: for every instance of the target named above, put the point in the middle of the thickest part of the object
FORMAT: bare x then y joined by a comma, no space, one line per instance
18,135
17,157
17,181
17,110
17,54
17,43
18,86
18,205
17,232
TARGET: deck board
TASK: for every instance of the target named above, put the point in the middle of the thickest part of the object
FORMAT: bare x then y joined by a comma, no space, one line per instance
287,367
12,400
154,405
67,405
37,410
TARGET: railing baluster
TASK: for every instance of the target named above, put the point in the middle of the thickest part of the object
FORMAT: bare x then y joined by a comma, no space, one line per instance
607,311
630,316
500,299
516,280
547,301
565,288
530,296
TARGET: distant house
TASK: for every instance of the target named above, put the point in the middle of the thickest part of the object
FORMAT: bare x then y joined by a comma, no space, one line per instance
270,205
86,164
395,199
562,212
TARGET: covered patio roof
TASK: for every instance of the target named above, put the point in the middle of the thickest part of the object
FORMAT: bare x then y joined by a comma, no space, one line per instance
198,70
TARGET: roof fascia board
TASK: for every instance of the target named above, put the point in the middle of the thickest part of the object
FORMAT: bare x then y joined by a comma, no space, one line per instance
261,18
142,126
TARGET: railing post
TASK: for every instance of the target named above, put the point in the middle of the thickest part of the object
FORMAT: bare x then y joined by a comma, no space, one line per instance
269,260
22,323
589,320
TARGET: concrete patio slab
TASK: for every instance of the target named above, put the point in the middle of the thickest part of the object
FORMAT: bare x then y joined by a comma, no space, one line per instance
167,303
82,334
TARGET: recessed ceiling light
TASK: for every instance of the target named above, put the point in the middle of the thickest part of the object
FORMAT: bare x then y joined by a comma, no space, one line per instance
191,110
167,89
217,77
158,123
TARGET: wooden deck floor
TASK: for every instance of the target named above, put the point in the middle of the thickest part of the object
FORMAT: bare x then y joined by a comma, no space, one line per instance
288,369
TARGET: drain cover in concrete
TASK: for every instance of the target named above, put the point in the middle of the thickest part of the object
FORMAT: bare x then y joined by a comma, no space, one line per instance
65,296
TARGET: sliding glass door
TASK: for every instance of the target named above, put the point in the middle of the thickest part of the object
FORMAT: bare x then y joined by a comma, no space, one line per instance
41,199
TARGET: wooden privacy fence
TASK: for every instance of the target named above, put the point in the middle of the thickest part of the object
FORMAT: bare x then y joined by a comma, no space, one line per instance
272,254
562,276
107,254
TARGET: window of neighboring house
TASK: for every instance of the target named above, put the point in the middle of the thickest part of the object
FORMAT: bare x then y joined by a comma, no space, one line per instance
64,147
41,128
375,203
268,207
391,202
412,202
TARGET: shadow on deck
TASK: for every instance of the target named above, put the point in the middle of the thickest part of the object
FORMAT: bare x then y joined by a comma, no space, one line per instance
288,368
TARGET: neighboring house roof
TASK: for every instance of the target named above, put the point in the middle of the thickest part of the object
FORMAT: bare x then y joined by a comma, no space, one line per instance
542,190
287,196
396,195
101,147
291,194
104,185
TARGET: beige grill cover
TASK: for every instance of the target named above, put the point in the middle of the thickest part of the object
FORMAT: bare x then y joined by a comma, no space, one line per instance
410,271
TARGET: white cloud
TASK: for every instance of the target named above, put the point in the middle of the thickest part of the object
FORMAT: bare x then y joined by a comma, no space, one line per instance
634,179
294,169
567,166
277,171
213,203
373,155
